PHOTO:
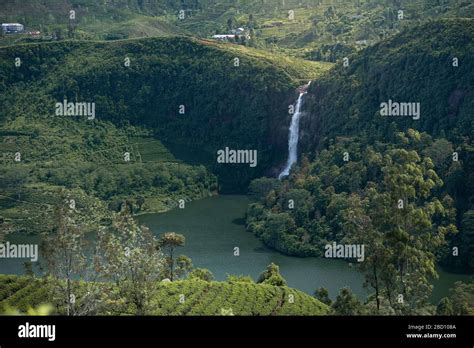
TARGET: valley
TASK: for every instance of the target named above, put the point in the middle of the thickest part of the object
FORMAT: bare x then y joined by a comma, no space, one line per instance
135,143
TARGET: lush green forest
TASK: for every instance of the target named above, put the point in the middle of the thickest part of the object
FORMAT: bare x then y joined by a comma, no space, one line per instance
190,92
343,118
446,112
402,187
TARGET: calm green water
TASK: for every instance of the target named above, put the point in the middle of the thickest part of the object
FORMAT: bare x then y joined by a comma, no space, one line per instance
215,226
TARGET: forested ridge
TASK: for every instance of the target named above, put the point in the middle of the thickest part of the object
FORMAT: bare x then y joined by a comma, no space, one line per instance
189,92
438,74
416,65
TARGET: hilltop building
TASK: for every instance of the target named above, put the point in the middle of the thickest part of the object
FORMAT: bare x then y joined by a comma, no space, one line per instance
235,34
11,28
224,37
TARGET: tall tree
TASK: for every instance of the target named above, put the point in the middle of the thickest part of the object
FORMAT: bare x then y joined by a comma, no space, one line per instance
68,259
402,226
128,257
347,303
322,294
168,242
445,307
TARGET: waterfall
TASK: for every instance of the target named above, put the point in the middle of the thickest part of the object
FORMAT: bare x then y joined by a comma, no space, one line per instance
294,136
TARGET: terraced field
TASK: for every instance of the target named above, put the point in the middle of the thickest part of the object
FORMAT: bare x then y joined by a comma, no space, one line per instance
54,153
185,297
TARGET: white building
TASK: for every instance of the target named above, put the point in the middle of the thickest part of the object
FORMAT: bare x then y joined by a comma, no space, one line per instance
12,27
225,37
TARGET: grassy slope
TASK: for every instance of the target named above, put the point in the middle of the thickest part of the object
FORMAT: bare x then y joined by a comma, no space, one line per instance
305,69
201,298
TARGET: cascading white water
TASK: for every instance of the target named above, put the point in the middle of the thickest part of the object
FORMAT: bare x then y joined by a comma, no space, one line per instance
294,136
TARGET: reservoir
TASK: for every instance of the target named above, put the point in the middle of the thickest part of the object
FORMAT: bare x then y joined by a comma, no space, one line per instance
214,226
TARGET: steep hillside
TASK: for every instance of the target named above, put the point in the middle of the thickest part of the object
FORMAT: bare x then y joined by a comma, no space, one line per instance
415,66
429,65
355,151
200,94
201,298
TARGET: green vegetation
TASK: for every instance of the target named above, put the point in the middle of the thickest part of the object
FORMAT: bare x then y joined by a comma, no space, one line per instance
319,29
301,215
188,92
344,119
347,100
346,103
401,187
200,298
368,180
93,20
386,197
173,269
347,304
129,271
65,154
272,276
460,302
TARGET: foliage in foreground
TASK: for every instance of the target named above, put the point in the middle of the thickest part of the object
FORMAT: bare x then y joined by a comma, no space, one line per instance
460,302
183,297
